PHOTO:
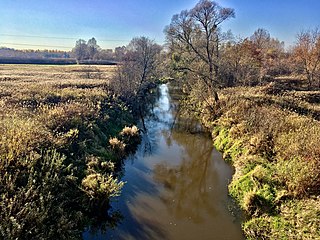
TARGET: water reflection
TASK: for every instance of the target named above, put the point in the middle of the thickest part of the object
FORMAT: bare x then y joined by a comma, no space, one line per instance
188,185
176,185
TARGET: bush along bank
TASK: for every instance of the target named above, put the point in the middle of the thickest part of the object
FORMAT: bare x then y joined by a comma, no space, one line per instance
276,155
61,149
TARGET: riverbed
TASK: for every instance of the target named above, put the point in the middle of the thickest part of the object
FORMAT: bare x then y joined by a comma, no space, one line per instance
176,184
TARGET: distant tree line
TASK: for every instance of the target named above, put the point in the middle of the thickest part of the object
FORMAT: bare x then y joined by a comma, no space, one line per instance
90,50
82,52
14,53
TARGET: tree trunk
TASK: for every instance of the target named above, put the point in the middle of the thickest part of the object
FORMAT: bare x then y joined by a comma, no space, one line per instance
309,77
142,119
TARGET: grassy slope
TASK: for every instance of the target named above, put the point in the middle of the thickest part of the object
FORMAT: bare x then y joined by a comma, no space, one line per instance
60,139
271,135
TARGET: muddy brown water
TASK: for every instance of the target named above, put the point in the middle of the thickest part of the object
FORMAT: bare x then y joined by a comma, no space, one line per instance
176,185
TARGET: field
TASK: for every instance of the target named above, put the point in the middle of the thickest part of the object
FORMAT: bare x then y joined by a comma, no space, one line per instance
270,134
62,134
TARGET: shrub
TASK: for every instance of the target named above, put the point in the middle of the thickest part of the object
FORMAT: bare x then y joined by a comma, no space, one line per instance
97,186
130,131
19,136
301,177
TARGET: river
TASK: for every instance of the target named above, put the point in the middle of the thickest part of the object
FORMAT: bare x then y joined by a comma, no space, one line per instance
176,185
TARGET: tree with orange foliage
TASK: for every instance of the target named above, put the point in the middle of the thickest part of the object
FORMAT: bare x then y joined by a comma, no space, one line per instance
306,55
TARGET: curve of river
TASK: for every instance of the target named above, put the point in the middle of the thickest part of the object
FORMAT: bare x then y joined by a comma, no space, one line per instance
176,186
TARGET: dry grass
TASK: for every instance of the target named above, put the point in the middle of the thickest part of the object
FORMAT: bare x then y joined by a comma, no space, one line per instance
52,120
271,135
40,105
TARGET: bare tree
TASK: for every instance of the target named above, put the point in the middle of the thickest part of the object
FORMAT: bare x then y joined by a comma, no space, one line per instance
138,67
307,54
143,52
80,50
261,38
137,70
194,39
93,48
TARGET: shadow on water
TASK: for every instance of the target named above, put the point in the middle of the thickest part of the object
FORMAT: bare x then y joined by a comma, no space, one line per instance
176,184
136,175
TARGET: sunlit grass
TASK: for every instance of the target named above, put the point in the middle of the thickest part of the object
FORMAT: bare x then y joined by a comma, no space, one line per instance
271,135
55,126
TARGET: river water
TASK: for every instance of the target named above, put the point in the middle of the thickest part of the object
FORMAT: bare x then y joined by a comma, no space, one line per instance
176,185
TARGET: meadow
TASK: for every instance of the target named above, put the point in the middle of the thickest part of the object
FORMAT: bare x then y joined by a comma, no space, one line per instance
63,133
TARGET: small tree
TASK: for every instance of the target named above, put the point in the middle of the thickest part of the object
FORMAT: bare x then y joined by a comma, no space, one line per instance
306,54
261,38
138,66
268,52
143,52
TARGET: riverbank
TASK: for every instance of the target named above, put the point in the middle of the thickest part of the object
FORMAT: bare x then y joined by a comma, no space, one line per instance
270,134
62,137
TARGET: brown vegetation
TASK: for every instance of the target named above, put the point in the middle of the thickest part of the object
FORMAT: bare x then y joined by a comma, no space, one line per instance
58,168
271,136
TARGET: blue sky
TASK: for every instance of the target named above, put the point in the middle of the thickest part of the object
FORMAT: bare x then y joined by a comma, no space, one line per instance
59,23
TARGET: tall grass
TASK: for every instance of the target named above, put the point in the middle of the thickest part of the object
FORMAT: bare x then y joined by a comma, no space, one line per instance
271,136
58,169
